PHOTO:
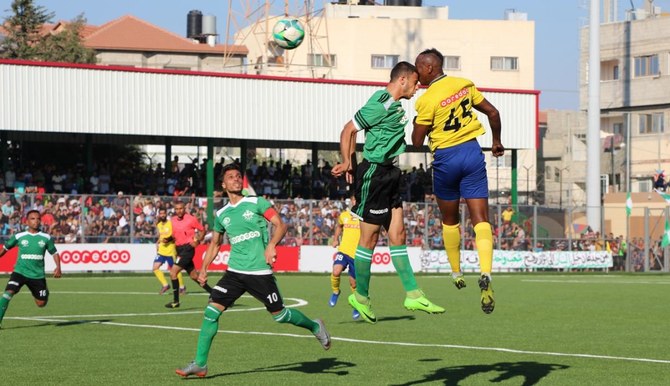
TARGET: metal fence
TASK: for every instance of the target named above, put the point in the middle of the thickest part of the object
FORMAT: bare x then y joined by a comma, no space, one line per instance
635,242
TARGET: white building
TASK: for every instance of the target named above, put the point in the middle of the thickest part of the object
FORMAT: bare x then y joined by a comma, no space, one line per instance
363,42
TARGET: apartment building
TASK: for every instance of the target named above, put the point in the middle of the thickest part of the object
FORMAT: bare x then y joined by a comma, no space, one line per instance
634,99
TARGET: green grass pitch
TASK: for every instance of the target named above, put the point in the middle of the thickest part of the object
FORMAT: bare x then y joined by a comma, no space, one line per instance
547,329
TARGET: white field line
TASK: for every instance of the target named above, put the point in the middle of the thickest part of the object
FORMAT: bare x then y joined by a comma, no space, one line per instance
296,303
364,341
576,281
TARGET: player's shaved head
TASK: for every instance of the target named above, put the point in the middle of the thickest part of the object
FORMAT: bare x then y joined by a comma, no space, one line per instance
431,56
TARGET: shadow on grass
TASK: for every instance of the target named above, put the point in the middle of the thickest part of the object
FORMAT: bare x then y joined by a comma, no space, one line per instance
80,322
396,318
28,326
530,372
322,366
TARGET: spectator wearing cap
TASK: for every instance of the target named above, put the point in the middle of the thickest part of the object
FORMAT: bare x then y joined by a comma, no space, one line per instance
119,201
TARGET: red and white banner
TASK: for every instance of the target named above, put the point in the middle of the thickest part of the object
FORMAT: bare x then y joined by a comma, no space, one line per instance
320,259
287,258
135,258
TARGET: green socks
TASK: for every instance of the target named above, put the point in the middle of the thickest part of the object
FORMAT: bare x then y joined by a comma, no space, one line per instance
4,303
296,318
402,266
210,325
362,263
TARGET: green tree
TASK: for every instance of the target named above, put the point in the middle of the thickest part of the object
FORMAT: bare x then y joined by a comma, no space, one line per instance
23,30
66,46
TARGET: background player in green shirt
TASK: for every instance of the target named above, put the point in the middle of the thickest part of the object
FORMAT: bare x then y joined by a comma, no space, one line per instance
252,254
29,268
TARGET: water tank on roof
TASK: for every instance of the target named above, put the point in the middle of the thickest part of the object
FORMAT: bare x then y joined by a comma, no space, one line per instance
209,25
409,3
193,24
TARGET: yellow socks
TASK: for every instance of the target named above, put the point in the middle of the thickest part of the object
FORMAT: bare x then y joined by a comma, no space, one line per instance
335,283
161,277
484,240
451,234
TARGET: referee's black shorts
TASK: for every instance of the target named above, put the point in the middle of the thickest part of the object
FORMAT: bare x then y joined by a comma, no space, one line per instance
185,254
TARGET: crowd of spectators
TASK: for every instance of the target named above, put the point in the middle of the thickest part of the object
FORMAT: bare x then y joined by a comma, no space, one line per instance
271,178
309,200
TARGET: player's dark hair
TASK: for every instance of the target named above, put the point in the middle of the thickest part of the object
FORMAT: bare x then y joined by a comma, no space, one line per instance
230,166
439,58
402,69
33,211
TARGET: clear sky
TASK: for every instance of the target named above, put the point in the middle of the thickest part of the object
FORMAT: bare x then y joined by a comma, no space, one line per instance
557,25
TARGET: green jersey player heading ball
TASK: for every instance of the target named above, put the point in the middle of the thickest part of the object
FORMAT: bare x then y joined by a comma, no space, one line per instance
29,267
252,255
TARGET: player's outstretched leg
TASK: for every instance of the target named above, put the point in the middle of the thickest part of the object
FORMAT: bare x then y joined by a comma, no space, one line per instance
297,318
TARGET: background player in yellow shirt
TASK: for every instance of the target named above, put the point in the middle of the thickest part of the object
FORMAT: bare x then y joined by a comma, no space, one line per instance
445,113
349,227
167,251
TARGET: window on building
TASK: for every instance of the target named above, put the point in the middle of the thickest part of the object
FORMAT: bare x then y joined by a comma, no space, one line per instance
651,123
646,65
384,61
644,186
321,60
452,62
609,70
504,63
617,128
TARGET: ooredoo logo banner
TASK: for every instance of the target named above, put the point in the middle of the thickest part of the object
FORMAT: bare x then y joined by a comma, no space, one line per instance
103,257
121,256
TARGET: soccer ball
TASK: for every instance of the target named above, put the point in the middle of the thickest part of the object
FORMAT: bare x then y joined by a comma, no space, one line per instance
288,33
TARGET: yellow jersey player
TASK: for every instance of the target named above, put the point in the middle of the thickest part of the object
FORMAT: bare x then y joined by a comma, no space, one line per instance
446,114
167,251
349,227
